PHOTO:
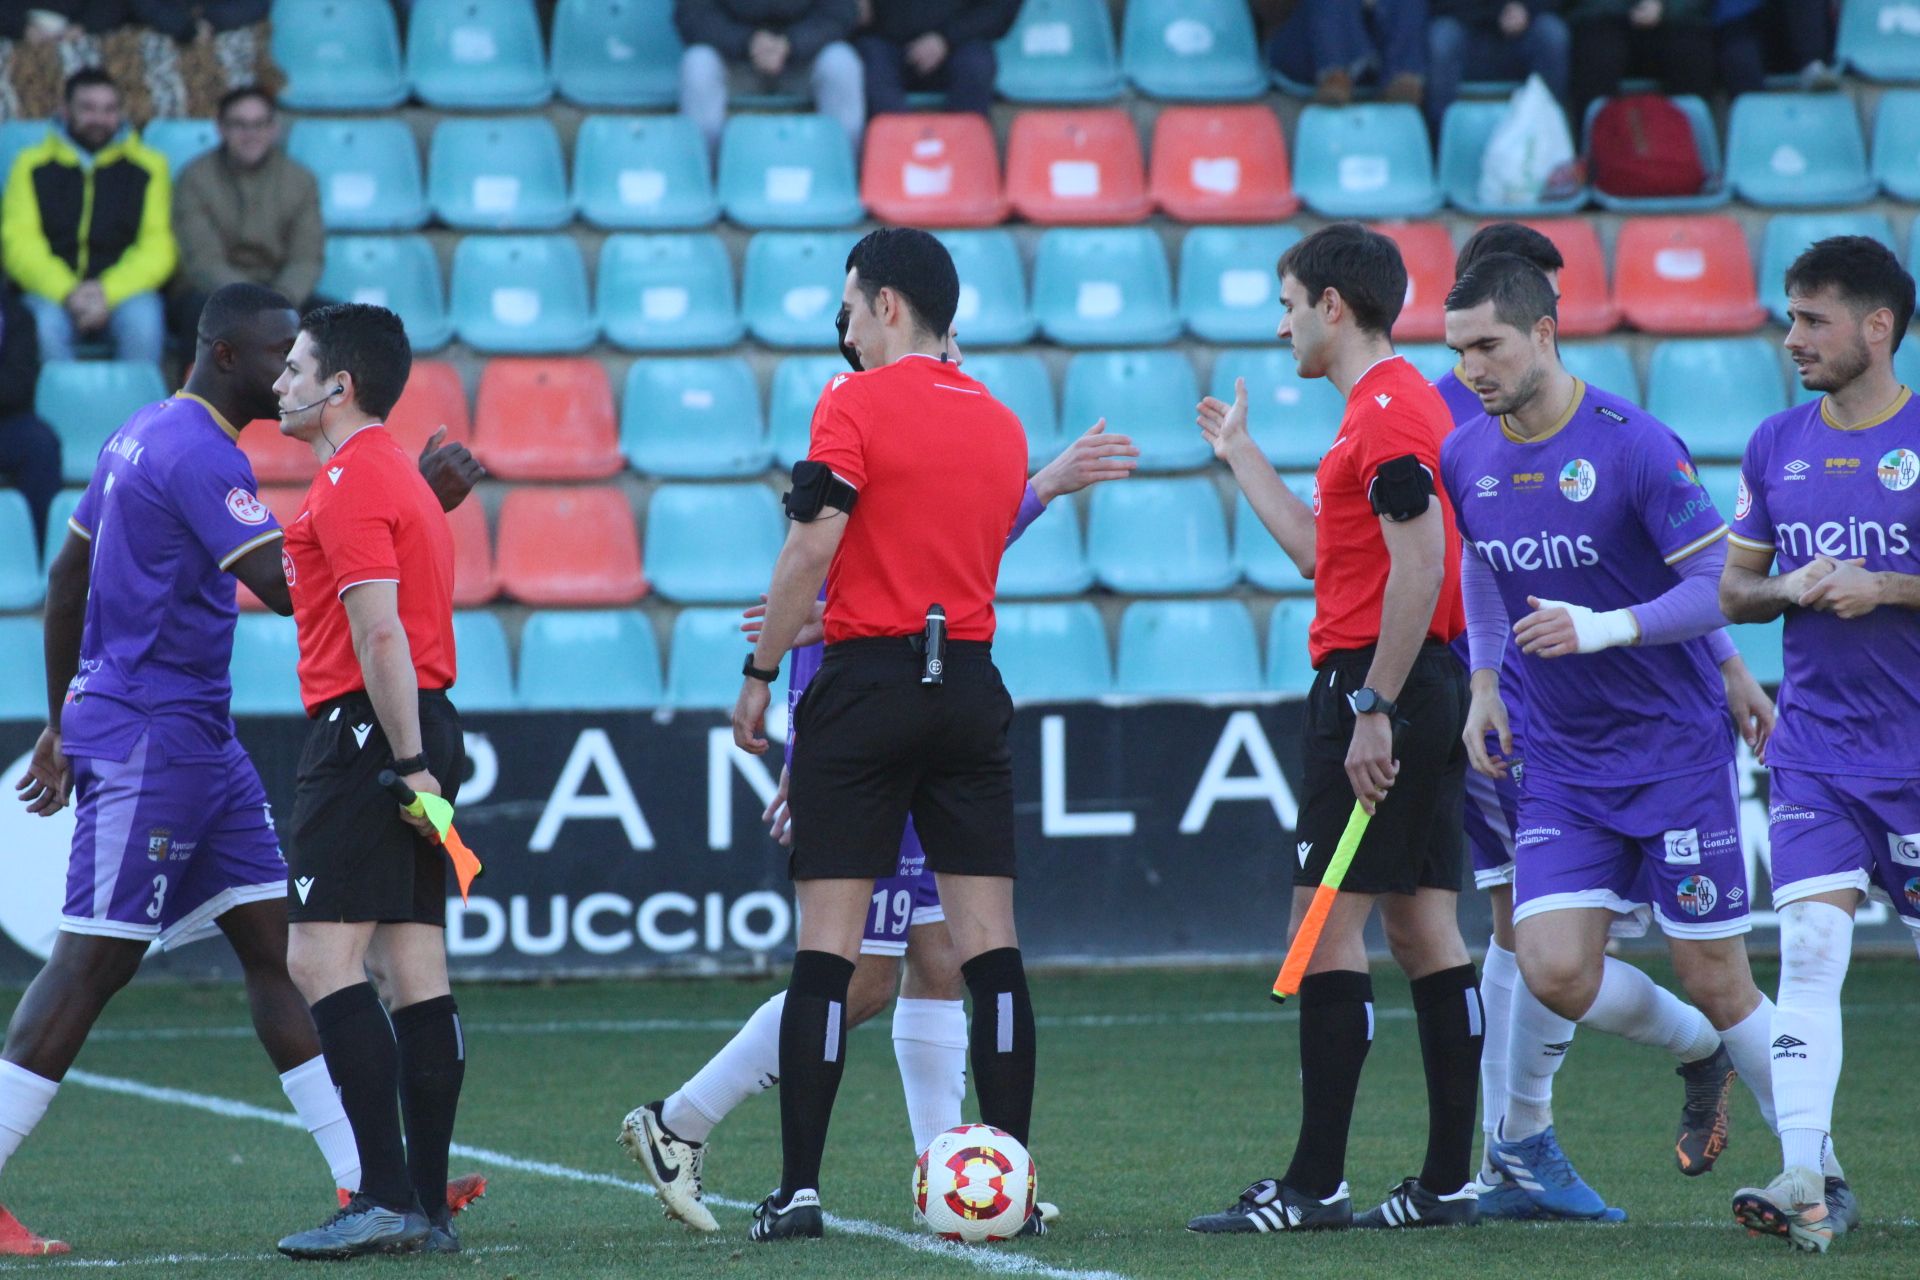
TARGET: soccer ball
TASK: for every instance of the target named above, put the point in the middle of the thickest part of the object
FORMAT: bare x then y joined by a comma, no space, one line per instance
974,1184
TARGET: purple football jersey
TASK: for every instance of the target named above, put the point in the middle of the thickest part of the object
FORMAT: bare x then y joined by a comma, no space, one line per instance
1596,512
171,506
1849,703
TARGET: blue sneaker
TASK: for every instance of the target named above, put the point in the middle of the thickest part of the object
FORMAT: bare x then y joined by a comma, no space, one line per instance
1542,1171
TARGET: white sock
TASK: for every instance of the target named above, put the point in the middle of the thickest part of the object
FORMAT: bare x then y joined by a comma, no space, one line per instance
930,1044
1816,942
1635,1007
747,1064
315,1100
1499,973
1748,1044
24,1098
1536,1046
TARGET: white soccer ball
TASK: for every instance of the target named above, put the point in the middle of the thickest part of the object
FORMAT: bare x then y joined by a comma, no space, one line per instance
974,1184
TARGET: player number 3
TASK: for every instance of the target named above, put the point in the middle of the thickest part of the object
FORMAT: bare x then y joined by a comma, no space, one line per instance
159,898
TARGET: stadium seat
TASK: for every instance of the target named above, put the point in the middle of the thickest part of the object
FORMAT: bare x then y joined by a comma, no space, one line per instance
546,420
1184,648
1293,419
1228,290
1790,234
1049,559
713,543
1685,275
1464,133
475,579
21,585
566,546
1797,149
400,273
1432,359
993,310
368,172
1059,51
86,401
643,173
667,292
522,293
500,173
703,664
1714,192
616,53
1586,305
792,286
1760,644
1019,380
1289,660
485,682
265,666
797,384
1096,286
1052,652
1714,391
23,694
788,171
1192,49
339,55
1606,365
1427,250
1159,537
589,660
1722,483
16,136
434,397
1257,557
1221,164
932,170
1896,144
1147,395
276,458
694,419
180,140
64,504
1880,39
1368,161
1076,167
477,54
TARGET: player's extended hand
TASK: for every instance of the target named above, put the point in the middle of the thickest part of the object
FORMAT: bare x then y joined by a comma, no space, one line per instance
1093,456
1486,714
423,783
1848,592
1225,425
1371,767
779,821
1748,704
812,631
750,716
451,471
1792,586
43,787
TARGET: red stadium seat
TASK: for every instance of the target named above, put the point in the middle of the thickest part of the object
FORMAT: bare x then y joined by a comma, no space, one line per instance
1685,275
475,582
566,546
546,419
1222,164
434,398
1427,250
1076,167
286,501
933,170
1586,307
276,459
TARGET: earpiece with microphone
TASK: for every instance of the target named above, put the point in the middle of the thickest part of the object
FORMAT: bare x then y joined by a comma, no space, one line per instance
314,404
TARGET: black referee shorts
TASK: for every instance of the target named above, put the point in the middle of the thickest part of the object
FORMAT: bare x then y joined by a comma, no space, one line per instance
353,858
873,745
1414,840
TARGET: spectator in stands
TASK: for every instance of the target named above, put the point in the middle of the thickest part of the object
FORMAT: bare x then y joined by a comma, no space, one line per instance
926,45
187,20
1335,45
1801,43
1493,40
1671,40
246,211
769,46
86,228
29,450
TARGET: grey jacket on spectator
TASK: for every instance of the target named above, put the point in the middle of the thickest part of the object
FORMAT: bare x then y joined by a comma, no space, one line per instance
260,225
728,25
904,21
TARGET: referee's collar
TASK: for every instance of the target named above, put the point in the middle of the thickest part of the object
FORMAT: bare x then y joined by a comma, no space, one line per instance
357,433
1395,355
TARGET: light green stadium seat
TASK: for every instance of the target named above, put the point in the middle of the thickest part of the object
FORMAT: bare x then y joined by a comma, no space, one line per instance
589,660
1175,648
1052,652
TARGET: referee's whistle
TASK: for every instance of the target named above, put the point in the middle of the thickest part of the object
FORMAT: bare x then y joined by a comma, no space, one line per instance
934,667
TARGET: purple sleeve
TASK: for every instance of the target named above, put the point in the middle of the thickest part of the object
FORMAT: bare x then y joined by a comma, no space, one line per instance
1721,646
1030,509
1691,607
1486,612
213,491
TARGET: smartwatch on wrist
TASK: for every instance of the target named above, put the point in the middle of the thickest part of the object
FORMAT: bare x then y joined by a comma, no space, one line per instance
1368,703
766,675
411,765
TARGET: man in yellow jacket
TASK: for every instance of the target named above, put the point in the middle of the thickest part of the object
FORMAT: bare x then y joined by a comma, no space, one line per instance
87,228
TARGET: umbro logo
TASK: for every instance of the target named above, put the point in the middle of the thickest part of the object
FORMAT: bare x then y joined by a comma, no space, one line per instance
303,886
1383,401
1488,486
1305,850
333,473
360,732
1785,1046
1797,469
1555,1050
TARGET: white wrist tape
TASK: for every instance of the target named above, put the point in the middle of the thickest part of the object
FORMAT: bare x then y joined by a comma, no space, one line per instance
1596,631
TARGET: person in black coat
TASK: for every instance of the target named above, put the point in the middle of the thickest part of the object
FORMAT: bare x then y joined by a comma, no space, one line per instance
769,46
29,451
928,45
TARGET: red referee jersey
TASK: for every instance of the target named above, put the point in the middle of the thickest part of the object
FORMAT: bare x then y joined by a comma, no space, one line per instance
941,467
1391,412
369,517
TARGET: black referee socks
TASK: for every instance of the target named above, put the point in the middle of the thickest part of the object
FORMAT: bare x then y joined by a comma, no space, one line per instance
813,1054
1336,1030
1452,1028
433,1064
1001,1039
357,1041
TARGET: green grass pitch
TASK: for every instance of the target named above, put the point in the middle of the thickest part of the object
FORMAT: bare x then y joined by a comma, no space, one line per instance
1161,1094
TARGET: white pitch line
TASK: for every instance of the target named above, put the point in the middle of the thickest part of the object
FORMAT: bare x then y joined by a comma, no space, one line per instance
986,1259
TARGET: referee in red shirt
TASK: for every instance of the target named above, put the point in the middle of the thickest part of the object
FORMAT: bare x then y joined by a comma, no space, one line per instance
369,563
1383,724
905,501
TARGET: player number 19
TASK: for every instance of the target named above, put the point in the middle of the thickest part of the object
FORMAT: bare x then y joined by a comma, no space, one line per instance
902,905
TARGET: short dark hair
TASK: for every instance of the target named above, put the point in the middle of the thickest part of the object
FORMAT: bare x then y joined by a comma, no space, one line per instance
1509,237
86,78
234,97
1364,266
915,265
1518,289
1862,271
231,306
368,342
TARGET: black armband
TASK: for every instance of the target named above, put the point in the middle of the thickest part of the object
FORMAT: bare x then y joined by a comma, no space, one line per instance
1401,489
816,488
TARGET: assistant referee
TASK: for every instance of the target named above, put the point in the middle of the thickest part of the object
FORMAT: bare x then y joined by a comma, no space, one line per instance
905,501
